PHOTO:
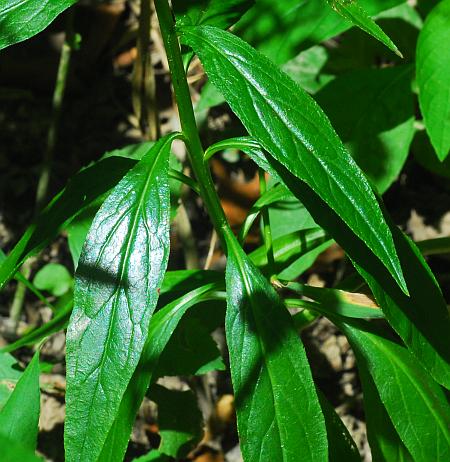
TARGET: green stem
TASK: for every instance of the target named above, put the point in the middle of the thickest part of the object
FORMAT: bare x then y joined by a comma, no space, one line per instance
58,95
267,233
187,119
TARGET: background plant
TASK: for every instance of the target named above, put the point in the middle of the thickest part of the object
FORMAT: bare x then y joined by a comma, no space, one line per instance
126,307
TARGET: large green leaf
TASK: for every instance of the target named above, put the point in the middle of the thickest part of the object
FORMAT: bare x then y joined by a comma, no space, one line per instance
353,12
433,69
212,12
417,406
118,278
281,29
278,412
288,124
21,19
20,415
385,443
423,334
373,113
180,421
162,326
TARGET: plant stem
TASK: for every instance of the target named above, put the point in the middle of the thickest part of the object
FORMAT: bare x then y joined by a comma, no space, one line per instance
143,80
267,233
58,95
187,119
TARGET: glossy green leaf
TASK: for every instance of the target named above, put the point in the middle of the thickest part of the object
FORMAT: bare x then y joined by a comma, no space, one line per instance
352,11
59,322
292,128
281,29
269,369
54,278
212,12
373,113
120,271
433,69
423,334
417,406
385,444
341,446
19,417
162,326
21,19
13,451
180,421
10,373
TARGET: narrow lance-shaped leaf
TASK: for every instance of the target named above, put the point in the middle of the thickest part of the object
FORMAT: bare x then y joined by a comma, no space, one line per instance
353,11
289,125
425,335
21,19
162,326
20,416
120,271
433,70
417,406
278,412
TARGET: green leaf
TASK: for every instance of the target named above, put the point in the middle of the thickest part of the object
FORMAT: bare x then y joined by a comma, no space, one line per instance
10,373
294,253
385,444
341,446
212,12
292,128
307,69
21,19
179,419
352,11
281,29
12,451
162,327
120,271
84,188
433,69
416,405
349,304
373,113
423,334
278,412
54,278
19,417
190,351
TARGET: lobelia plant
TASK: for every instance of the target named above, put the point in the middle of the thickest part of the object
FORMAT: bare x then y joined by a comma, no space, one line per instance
127,307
